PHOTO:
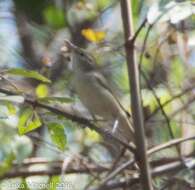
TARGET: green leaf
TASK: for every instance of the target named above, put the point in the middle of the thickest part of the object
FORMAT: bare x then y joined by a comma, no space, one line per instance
23,185
28,121
54,182
57,134
6,165
11,108
151,102
103,3
57,99
136,7
41,91
177,72
26,113
28,74
54,17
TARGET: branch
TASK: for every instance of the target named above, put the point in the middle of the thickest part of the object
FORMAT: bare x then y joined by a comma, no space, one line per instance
77,165
137,115
79,120
57,170
156,172
172,165
169,144
149,153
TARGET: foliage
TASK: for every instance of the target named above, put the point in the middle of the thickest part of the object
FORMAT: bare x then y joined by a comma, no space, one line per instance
57,135
28,121
27,74
44,128
54,17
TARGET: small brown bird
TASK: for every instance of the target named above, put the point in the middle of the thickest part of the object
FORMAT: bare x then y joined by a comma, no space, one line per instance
95,94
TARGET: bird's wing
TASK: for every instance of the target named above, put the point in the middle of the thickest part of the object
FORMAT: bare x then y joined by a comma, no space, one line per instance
102,81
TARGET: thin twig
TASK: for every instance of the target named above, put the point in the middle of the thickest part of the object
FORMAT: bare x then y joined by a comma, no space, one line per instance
182,93
183,107
169,144
163,112
139,30
143,74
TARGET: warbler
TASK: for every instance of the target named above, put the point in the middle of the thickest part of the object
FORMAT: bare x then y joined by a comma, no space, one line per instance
95,94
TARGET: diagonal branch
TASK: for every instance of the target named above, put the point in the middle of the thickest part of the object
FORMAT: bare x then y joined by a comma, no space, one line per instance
149,153
80,120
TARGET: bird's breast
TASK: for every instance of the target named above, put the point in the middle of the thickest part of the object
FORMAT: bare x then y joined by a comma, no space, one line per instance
95,98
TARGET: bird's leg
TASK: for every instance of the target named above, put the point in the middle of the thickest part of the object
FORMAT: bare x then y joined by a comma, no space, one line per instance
115,126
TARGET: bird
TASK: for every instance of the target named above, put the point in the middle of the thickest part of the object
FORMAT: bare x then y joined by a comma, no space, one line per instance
95,94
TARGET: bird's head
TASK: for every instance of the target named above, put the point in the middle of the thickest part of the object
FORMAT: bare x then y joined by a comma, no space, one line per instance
80,59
